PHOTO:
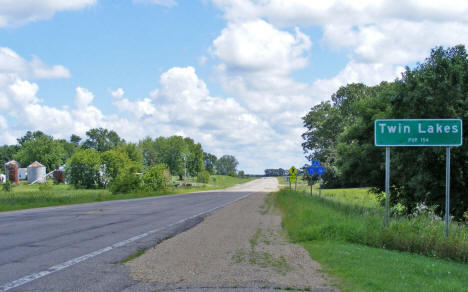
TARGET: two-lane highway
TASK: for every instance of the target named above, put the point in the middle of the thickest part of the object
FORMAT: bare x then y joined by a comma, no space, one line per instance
78,247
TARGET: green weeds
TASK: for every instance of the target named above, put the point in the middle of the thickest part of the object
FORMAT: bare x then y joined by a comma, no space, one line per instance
312,218
133,256
349,239
261,258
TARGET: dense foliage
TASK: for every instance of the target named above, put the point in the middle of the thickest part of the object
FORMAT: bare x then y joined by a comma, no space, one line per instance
104,160
204,177
156,177
102,139
340,133
42,148
83,169
209,161
227,165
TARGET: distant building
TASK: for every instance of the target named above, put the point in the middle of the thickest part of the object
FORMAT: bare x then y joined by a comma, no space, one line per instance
36,173
11,171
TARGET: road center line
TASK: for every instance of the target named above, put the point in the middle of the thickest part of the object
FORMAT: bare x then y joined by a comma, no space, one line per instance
69,263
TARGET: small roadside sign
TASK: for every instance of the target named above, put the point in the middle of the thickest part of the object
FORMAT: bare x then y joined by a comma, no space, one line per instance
315,169
293,178
320,170
293,170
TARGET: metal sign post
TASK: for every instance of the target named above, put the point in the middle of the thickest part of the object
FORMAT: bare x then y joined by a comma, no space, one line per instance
447,191
387,185
311,171
418,132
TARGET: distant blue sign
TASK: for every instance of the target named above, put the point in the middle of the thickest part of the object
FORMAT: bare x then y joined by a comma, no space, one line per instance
320,170
315,163
315,168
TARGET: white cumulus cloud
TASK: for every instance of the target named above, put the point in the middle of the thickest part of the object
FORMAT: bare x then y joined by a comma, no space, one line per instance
20,12
258,46
12,63
382,36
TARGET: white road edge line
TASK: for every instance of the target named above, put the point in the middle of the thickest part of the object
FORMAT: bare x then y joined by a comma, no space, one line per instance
64,265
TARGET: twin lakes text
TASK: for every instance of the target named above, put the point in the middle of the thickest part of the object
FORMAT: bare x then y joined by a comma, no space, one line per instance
424,132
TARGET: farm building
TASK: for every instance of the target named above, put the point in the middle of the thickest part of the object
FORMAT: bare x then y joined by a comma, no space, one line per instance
11,171
36,173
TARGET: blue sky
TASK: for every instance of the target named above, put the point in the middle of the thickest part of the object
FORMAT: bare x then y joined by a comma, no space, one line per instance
235,75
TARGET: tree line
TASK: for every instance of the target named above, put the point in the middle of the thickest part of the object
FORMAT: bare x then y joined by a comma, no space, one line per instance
340,133
104,159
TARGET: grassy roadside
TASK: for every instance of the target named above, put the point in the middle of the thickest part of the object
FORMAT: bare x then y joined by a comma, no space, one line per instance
362,268
344,232
36,196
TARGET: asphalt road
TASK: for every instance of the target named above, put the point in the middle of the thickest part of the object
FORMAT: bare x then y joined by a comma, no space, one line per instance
80,247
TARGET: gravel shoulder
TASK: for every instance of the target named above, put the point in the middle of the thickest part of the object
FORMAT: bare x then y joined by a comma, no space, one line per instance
239,246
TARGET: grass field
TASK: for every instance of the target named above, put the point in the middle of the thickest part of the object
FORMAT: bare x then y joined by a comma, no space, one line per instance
34,196
344,230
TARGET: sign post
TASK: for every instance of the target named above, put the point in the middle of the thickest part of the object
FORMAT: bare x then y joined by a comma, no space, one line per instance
422,133
387,185
316,168
311,171
447,190
293,177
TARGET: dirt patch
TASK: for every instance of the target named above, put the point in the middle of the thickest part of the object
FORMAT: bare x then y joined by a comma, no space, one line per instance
241,245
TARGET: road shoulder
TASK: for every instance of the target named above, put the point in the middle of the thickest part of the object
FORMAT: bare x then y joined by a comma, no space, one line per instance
239,246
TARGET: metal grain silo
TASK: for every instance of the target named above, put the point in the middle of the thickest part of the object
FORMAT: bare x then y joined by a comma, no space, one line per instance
36,173
11,171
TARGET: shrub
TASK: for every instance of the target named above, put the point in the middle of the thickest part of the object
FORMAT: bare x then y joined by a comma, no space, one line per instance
204,177
7,186
126,183
156,178
83,169
45,187
116,162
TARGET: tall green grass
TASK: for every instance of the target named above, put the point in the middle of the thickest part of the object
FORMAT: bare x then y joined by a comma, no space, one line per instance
362,268
312,218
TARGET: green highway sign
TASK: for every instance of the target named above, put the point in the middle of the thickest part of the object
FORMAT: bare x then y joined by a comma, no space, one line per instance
418,132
